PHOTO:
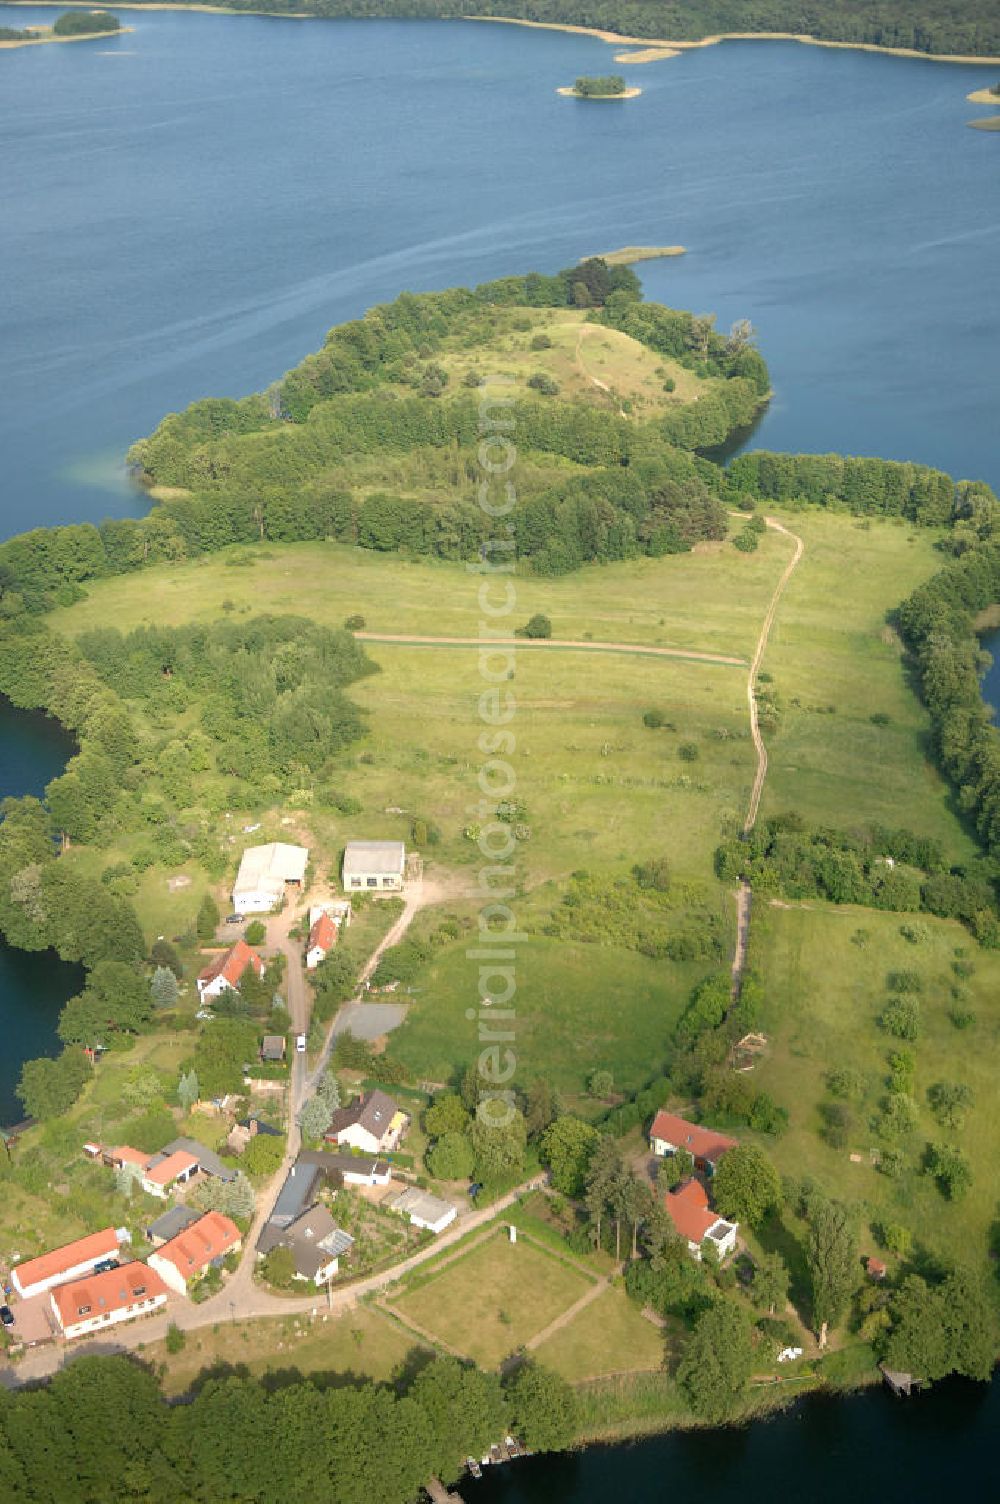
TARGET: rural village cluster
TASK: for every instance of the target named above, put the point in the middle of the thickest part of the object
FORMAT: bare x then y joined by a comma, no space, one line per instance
97,1281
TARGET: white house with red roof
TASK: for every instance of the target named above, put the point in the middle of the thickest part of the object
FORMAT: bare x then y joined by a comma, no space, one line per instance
67,1262
193,1250
98,1301
167,1169
669,1133
695,1221
227,969
323,937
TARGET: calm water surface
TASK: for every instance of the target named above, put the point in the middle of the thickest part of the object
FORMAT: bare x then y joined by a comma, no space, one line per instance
187,208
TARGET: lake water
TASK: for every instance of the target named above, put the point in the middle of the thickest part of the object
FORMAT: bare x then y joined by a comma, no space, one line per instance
33,986
188,207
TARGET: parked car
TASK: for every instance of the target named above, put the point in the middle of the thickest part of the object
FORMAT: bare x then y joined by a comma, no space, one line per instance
300,1044
234,918
105,1265
6,1315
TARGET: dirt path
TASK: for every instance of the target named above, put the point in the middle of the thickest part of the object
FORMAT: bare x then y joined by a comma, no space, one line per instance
404,639
755,662
743,896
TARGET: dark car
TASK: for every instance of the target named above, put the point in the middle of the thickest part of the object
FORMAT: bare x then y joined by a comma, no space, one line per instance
6,1315
234,918
105,1265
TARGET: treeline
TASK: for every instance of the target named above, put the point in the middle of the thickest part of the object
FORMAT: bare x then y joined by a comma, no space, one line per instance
868,487
936,623
932,26
85,23
873,866
242,1440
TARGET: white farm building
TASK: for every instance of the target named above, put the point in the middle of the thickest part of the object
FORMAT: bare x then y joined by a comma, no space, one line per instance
374,866
265,872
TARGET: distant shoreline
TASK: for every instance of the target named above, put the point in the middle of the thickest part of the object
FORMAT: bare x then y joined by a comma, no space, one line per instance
654,48
983,96
46,34
660,47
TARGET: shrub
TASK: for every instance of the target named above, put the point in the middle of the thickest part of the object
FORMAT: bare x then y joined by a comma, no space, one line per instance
256,932
354,623
541,342
542,382
687,752
537,626
901,1017
175,1338
653,719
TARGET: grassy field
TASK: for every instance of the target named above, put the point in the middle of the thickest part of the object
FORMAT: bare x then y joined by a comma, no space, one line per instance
490,1301
360,1344
711,600
579,353
831,646
608,1336
823,995
577,1007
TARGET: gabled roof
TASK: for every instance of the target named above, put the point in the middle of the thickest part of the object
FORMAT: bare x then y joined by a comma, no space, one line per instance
378,858
345,1161
130,1156
374,1111
295,1195
208,1238
690,1212
102,1294
417,1203
166,1167
314,1239
273,1047
95,1246
172,1222
702,1143
207,1158
323,933
266,869
232,964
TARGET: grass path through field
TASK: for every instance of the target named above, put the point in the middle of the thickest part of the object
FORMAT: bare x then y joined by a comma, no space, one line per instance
743,895
638,649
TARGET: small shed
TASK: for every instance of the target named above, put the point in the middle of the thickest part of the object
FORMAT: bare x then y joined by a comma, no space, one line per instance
273,1047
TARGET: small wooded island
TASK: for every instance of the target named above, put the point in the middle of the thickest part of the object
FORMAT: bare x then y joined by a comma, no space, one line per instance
606,86
72,26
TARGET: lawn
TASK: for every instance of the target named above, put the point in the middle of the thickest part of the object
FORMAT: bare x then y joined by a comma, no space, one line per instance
608,1336
823,995
577,1007
361,1343
489,1302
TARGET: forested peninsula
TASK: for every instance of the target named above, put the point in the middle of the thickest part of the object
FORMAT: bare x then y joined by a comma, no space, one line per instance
365,458
956,27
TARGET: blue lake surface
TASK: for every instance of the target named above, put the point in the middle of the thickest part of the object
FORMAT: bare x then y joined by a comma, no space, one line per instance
188,207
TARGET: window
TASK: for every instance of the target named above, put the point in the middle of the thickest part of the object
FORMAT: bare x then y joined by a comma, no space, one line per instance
373,882
83,1310
140,1290
355,882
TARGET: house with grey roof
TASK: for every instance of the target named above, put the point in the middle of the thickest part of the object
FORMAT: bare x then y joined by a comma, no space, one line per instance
425,1210
170,1225
373,1123
317,1245
298,1192
208,1160
353,1169
374,866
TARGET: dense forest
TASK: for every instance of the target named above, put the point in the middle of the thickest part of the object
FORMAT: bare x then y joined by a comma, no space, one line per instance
100,1433
85,23
933,26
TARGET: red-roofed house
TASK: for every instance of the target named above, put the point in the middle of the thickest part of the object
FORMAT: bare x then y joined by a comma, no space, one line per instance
705,1145
226,970
193,1250
322,938
102,1300
695,1221
167,1169
35,1276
